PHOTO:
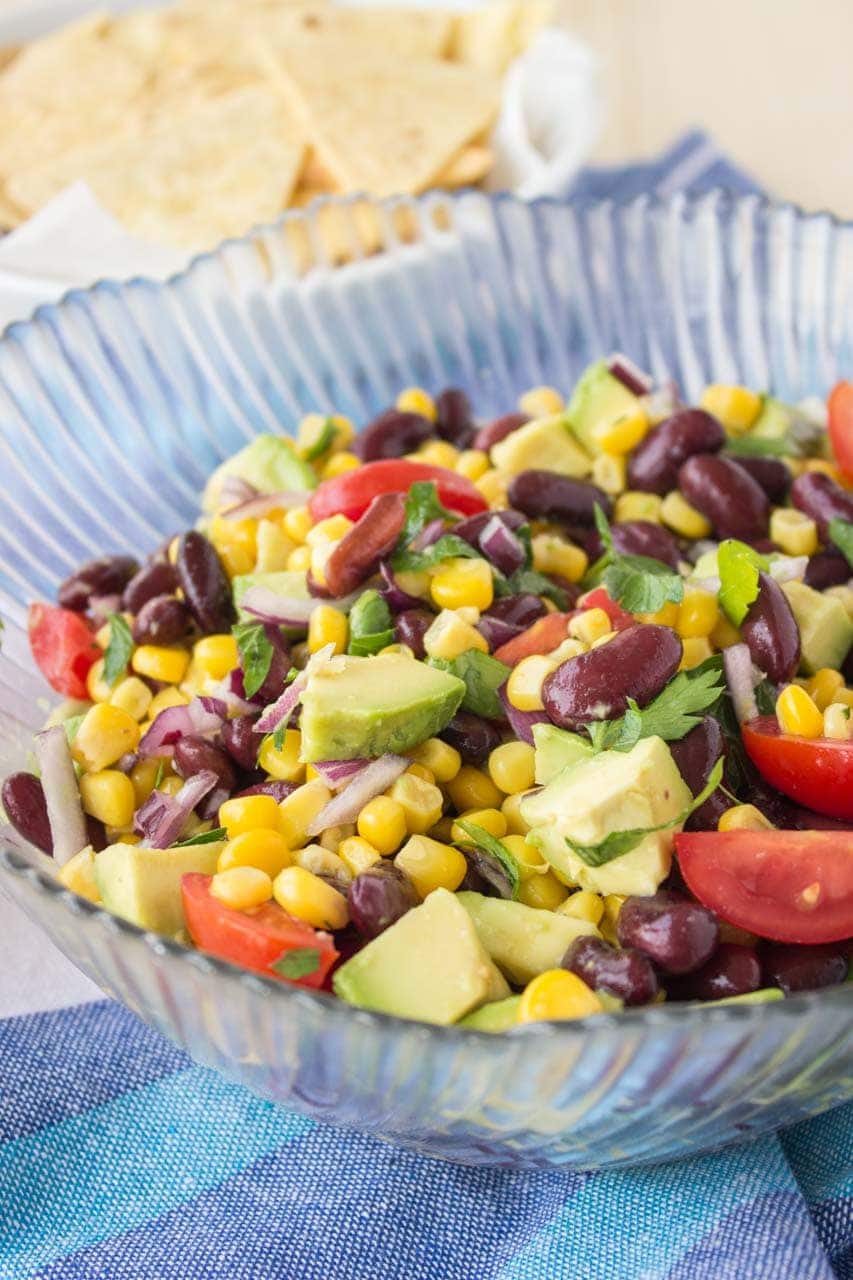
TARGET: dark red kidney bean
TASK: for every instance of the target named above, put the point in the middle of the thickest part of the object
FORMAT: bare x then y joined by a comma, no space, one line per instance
735,504
272,787
486,868
192,755
655,463
695,755
733,970
520,610
627,974
546,494
495,632
241,742
471,528
636,663
23,800
771,632
411,626
638,538
106,576
821,498
204,583
378,897
391,435
678,935
498,429
454,422
315,588
162,620
96,833
796,968
472,736
826,569
771,473
158,579
372,537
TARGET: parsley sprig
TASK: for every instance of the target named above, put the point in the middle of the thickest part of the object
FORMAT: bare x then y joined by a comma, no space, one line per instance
676,710
639,583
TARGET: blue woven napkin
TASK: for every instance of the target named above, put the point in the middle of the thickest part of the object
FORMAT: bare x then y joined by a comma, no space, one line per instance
121,1160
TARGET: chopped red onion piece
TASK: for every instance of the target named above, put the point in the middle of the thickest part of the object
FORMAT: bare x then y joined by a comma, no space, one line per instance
195,719
235,490
162,818
521,722
286,611
737,664
61,794
393,594
337,773
789,568
629,374
280,711
428,535
501,546
257,505
496,631
373,779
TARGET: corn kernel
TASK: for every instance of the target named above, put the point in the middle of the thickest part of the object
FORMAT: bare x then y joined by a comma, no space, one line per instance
678,515
421,801
133,696
248,813
836,722
524,686
332,529
823,686
636,505
610,917
442,760
666,616
262,848
460,583
844,697
274,547
171,785
574,648
160,662
694,651
698,614
724,634
797,713
283,762
339,463
297,811
590,625
491,820
299,561
793,531
610,473
296,523
472,464
382,822
544,891
583,905
402,649
358,854
143,776
421,771
541,402
511,767
492,485
743,817
109,796
735,407
623,434
104,735
448,636
557,995
552,554
333,837
327,625
214,656
324,862
511,810
96,686
473,789
431,865
241,888
440,453
306,896
416,400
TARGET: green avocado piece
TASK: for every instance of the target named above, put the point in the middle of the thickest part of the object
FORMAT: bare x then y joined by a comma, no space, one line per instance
774,421
523,941
430,966
546,444
498,1015
144,885
366,706
269,463
598,397
763,996
826,631
557,749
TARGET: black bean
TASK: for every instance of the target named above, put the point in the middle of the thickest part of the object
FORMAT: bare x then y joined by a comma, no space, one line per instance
455,422
544,494
472,736
626,974
378,897
636,663
827,569
735,504
678,935
194,755
391,435
240,740
158,579
106,576
204,583
162,620
796,968
411,626
655,463
733,970
520,610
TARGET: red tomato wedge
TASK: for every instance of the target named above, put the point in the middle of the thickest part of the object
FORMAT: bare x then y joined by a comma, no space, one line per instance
254,939
63,646
352,493
816,772
791,886
543,636
840,410
599,599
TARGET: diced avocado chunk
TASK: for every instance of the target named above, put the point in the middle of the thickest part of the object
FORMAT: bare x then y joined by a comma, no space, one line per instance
546,444
763,996
430,966
498,1015
557,749
774,421
366,706
614,791
269,464
144,885
78,874
523,941
598,397
826,631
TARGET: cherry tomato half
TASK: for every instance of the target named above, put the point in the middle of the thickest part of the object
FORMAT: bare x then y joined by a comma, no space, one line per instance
816,772
352,493
254,939
63,646
599,599
840,409
791,886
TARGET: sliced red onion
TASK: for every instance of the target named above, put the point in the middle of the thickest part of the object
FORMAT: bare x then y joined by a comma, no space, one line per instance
393,594
521,722
162,818
501,546
229,691
629,374
61,794
495,631
257,505
737,664
471,528
201,718
280,711
337,773
235,490
428,535
102,606
373,779
285,611
789,568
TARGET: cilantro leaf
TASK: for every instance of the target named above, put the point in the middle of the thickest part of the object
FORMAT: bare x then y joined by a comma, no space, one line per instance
483,675
322,443
676,710
841,534
447,547
370,625
738,566
297,963
204,837
762,447
119,649
256,651
496,849
278,736
529,581
639,583
603,528
621,842
158,777
422,507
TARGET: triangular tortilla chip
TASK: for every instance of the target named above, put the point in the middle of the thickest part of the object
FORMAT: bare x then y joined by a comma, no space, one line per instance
493,35
369,29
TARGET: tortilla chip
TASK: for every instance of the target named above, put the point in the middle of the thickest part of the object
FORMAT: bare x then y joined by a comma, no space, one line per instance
208,174
465,168
381,30
10,214
492,36
383,127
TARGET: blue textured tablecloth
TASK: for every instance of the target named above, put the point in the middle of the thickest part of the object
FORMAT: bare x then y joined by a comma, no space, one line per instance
121,1160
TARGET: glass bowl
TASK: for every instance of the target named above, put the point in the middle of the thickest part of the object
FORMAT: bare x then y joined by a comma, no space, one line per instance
117,402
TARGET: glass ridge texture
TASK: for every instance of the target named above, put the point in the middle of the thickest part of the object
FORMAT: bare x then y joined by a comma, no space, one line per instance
117,402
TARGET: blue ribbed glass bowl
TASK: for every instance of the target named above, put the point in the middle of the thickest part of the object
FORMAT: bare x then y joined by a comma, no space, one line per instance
116,403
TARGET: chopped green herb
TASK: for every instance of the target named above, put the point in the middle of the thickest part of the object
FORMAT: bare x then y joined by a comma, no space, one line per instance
158,777
71,725
639,583
738,566
496,849
841,534
370,625
119,649
676,710
322,443
762,447
204,837
256,652
449,545
483,675
278,736
525,581
297,963
422,507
